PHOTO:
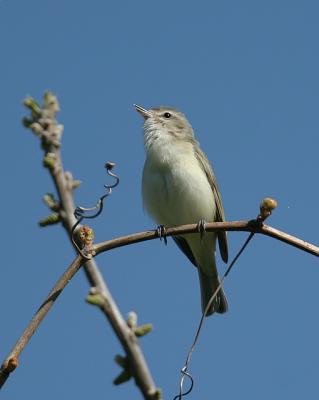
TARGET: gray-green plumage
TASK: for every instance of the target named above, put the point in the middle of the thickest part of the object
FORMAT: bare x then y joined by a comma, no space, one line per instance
179,187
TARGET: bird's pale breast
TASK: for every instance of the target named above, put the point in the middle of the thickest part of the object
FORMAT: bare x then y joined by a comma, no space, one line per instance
176,190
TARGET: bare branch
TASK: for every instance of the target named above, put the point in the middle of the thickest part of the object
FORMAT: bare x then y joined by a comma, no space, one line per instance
127,337
243,226
45,126
125,333
7,366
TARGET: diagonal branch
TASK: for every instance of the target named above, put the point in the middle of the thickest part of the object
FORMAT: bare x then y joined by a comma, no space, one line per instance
45,126
129,341
231,226
11,362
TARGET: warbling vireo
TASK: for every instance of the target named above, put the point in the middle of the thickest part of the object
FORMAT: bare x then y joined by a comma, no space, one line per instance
179,187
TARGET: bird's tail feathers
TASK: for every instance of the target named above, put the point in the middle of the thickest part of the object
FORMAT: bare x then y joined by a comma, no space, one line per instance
208,286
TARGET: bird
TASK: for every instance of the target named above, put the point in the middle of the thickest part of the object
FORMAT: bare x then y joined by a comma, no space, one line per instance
179,187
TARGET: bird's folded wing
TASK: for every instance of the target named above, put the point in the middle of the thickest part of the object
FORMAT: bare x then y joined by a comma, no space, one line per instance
220,215
185,248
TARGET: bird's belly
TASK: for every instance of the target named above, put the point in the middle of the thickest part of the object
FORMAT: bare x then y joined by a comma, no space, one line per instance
178,195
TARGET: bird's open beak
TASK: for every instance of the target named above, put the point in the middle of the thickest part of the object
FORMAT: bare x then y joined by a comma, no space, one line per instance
145,113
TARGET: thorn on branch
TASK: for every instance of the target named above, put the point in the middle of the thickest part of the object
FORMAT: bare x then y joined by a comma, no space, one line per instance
51,219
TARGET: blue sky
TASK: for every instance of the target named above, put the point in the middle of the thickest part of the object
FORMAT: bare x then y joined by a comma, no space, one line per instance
246,75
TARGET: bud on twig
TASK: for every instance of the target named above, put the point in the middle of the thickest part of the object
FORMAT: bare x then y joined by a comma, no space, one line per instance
51,202
132,319
49,161
143,330
51,219
266,207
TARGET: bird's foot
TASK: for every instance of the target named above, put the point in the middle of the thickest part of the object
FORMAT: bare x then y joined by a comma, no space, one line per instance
161,233
201,227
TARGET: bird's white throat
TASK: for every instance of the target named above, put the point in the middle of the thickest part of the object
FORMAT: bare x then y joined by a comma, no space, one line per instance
164,148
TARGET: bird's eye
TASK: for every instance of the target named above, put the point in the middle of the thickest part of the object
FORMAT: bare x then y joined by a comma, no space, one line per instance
167,115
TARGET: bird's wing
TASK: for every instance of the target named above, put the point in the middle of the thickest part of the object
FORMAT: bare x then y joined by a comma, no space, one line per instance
220,215
185,248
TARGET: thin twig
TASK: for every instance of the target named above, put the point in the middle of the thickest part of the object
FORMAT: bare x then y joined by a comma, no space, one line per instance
184,370
266,208
45,126
102,247
49,132
6,368
242,226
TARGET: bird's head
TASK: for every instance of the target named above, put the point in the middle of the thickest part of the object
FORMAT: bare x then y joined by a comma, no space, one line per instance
165,123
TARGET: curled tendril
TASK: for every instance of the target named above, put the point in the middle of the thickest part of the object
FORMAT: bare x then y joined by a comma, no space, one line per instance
266,208
81,213
185,374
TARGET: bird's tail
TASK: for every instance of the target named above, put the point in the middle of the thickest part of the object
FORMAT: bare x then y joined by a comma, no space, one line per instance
208,285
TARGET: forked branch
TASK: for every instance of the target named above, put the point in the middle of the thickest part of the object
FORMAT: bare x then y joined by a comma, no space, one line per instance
45,126
243,226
